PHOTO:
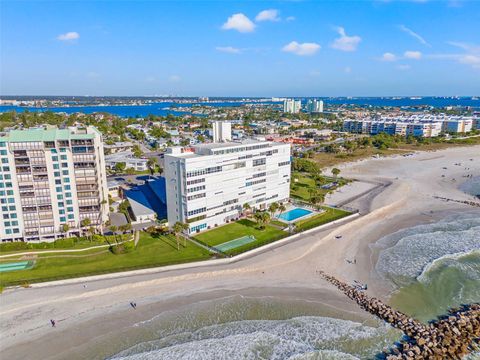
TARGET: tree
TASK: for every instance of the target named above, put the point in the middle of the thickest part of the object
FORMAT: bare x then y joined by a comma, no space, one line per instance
282,208
177,229
64,228
85,223
262,217
335,172
246,207
113,229
137,152
273,208
152,164
120,167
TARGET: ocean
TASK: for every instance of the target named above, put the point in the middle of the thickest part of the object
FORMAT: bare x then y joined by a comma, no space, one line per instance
161,108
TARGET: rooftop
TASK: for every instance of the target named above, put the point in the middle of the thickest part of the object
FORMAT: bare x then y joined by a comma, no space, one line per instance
40,135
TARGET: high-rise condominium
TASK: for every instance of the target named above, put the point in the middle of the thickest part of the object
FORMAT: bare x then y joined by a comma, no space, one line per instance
51,181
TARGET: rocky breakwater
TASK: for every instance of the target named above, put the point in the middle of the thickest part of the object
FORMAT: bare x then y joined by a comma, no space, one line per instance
450,337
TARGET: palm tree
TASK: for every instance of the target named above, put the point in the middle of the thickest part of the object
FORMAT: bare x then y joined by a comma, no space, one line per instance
262,217
64,229
177,229
335,172
113,229
152,164
85,223
246,207
282,208
273,208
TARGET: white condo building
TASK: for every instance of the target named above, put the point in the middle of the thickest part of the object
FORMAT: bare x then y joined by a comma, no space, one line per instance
208,185
50,178
292,106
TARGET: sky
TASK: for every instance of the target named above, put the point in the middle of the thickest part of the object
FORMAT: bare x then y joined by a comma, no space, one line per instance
240,48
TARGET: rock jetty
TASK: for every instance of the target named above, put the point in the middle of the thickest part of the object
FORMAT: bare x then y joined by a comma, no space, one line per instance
466,202
450,337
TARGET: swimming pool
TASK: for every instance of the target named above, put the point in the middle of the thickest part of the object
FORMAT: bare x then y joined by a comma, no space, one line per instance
294,214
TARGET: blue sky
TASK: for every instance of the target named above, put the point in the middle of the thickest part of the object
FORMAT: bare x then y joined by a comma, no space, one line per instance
243,48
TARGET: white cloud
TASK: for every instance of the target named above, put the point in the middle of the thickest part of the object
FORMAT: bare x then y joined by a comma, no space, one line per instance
388,57
69,36
174,78
347,70
267,15
239,22
414,35
415,55
290,18
403,67
345,42
303,49
470,59
228,49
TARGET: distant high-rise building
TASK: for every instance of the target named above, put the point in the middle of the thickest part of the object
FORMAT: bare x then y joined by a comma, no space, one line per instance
50,181
292,106
315,106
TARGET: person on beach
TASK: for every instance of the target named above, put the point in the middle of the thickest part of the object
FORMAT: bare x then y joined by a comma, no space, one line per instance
52,322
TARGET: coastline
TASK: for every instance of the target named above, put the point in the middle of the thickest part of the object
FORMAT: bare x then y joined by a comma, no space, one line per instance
102,307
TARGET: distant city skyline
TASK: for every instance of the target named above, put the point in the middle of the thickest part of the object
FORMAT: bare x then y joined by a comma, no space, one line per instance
240,49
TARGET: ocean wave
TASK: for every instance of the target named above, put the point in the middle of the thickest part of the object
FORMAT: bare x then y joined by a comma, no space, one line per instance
306,337
407,254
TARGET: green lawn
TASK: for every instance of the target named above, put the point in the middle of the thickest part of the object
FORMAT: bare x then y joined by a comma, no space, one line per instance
329,215
302,184
238,229
150,252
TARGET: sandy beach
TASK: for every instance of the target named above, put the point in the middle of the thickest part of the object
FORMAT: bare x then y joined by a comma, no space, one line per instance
391,194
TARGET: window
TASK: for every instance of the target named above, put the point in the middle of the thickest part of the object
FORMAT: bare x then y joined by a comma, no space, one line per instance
2,193
8,231
12,208
10,192
16,231
69,202
13,216
3,152
63,150
55,166
58,188
61,212
60,204
56,173
55,158
65,172
197,211
67,180
196,196
71,216
59,197
198,227
67,187
7,176
284,163
63,157
68,195
196,188
64,165
11,200
259,162
70,209
58,182
62,219
5,160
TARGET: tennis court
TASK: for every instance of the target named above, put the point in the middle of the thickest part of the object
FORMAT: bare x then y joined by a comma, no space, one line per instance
21,265
232,244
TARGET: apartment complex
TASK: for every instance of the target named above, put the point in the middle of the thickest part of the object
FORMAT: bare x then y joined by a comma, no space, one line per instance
207,185
314,106
415,125
292,106
50,178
